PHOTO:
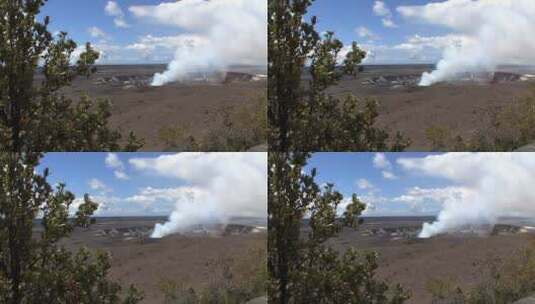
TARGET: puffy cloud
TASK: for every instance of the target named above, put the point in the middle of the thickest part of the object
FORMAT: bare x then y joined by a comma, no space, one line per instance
497,32
113,9
486,186
232,31
382,10
112,161
152,47
381,162
102,48
417,42
96,32
98,185
217,186
429,200
389,175
388,23
366,33
364,184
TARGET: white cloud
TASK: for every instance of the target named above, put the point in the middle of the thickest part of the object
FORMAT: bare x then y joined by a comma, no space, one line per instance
366,33
113,9
364,184
208,178
96,32
381,162
98,185
388,23
120,174
389,175
120,22
484,23
217,23
101,47
419,199
487,186
382,10
151,47
112,161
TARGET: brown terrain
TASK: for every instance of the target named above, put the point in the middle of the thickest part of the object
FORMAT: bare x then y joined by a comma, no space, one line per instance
459,107
144,109
187,259
413,262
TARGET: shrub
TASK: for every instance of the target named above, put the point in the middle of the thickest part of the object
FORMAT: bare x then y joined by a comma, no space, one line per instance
504,128
506,280
232,281
238,129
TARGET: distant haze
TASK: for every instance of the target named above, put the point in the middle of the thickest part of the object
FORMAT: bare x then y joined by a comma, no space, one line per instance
219,186
484,34
487,187
217,34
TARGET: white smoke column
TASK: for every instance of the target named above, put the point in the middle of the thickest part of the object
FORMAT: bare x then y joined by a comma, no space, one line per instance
495,32
217,186
232,31
490,186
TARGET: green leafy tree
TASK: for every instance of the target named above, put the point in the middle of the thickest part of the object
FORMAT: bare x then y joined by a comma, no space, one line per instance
34,268
302,116
302,268
35,115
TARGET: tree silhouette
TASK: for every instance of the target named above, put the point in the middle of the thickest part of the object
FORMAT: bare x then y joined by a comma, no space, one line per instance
302,116
35,114
302,268
34,268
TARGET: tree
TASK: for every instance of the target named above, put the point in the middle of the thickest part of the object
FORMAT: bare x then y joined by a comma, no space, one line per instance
302,268
304,117
35,115
33,267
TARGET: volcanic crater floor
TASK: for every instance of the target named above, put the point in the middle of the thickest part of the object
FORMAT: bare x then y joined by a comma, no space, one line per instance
413,262
459,106
185,258
191,104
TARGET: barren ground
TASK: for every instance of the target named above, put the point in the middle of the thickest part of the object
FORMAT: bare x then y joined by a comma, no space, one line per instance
183,258
405,107
145,110
413,262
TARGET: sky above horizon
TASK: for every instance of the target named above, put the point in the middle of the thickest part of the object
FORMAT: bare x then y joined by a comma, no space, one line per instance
156,184
379,181
456,186
153,31
379,28
419,31
116,32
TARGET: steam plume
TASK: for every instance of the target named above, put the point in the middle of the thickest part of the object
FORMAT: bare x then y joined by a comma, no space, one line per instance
495,32
231,31
218,186
490,186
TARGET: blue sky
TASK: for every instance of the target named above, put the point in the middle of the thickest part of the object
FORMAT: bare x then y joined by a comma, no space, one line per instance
76,17
78,169
89,173
80,19
154,31
460,188
379,180
383,30
157,184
